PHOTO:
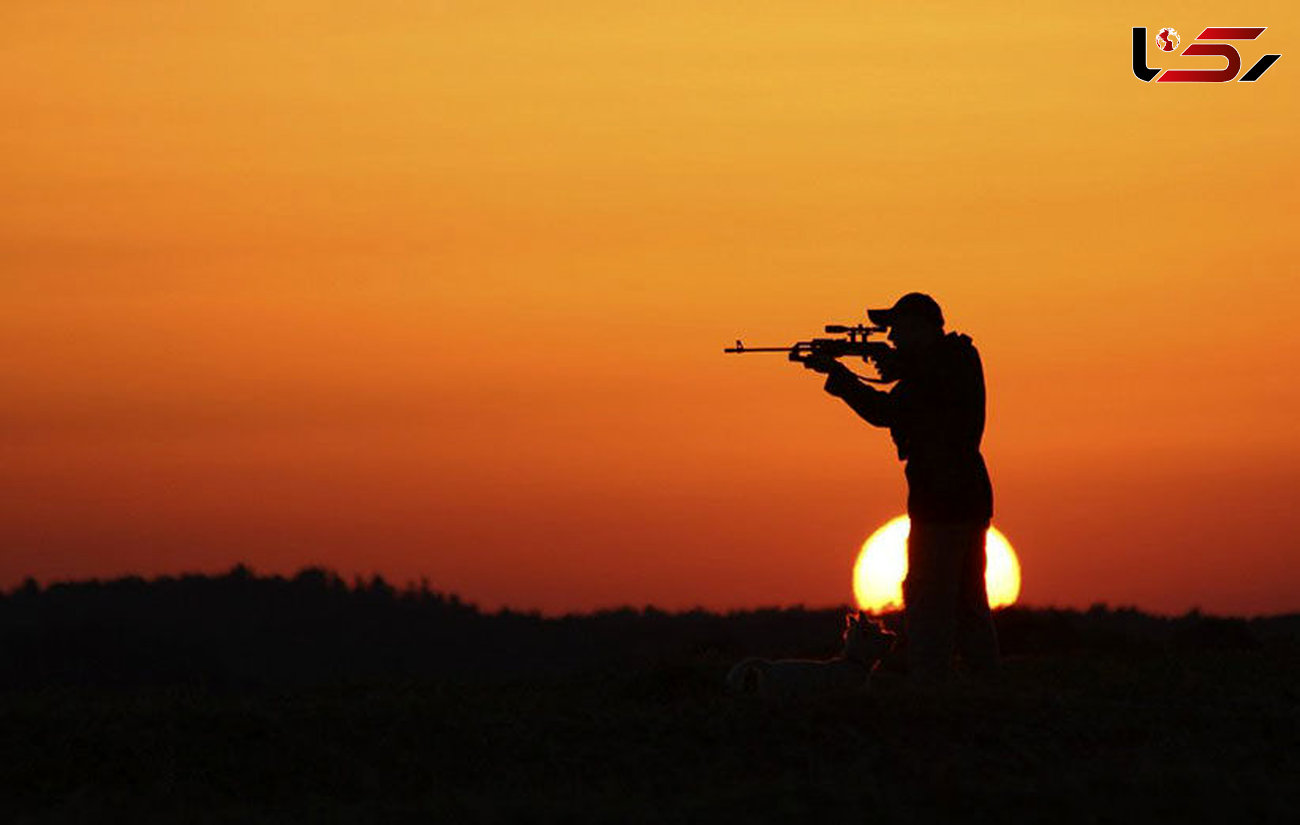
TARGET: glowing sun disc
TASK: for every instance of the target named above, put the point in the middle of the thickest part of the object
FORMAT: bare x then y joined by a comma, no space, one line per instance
882,565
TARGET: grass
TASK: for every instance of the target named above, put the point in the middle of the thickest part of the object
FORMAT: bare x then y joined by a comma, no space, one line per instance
1174,735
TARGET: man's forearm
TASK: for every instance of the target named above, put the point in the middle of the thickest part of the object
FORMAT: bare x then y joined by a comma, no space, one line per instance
871,404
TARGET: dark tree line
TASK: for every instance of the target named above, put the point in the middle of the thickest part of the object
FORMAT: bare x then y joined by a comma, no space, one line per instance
239,630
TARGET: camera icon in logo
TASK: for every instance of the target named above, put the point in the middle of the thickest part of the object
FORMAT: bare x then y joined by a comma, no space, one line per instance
1167,39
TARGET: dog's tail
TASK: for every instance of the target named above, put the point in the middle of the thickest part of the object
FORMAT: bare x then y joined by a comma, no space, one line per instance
746,675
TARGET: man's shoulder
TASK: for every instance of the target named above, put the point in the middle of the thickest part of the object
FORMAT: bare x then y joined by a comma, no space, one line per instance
957,364
958,342
954,356
960,349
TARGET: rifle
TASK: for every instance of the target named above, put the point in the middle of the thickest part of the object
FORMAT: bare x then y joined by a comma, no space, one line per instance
881,355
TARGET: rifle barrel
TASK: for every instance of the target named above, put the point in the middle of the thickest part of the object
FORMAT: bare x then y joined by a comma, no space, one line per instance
758,349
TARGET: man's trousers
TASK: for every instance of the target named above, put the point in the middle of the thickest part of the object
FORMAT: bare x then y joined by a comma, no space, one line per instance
945,603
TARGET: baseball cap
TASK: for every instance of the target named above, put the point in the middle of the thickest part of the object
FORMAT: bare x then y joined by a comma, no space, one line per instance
916,304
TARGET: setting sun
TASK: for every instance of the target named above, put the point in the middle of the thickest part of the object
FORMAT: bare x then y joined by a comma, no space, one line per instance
882,565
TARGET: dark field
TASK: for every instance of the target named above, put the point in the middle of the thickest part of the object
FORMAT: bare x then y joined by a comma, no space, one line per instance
239,699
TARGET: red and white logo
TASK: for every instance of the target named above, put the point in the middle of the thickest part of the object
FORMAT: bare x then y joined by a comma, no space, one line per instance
1167,41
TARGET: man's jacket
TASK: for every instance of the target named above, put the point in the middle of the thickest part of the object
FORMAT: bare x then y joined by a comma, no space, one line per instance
935,414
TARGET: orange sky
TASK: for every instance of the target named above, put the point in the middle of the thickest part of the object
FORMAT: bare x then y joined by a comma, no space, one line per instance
441,290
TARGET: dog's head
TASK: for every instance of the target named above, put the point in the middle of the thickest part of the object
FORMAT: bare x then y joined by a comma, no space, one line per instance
865,639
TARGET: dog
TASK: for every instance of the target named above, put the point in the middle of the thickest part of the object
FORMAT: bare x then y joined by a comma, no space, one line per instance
865,644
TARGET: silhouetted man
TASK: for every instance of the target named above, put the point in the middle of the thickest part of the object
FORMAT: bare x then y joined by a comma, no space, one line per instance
935,414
